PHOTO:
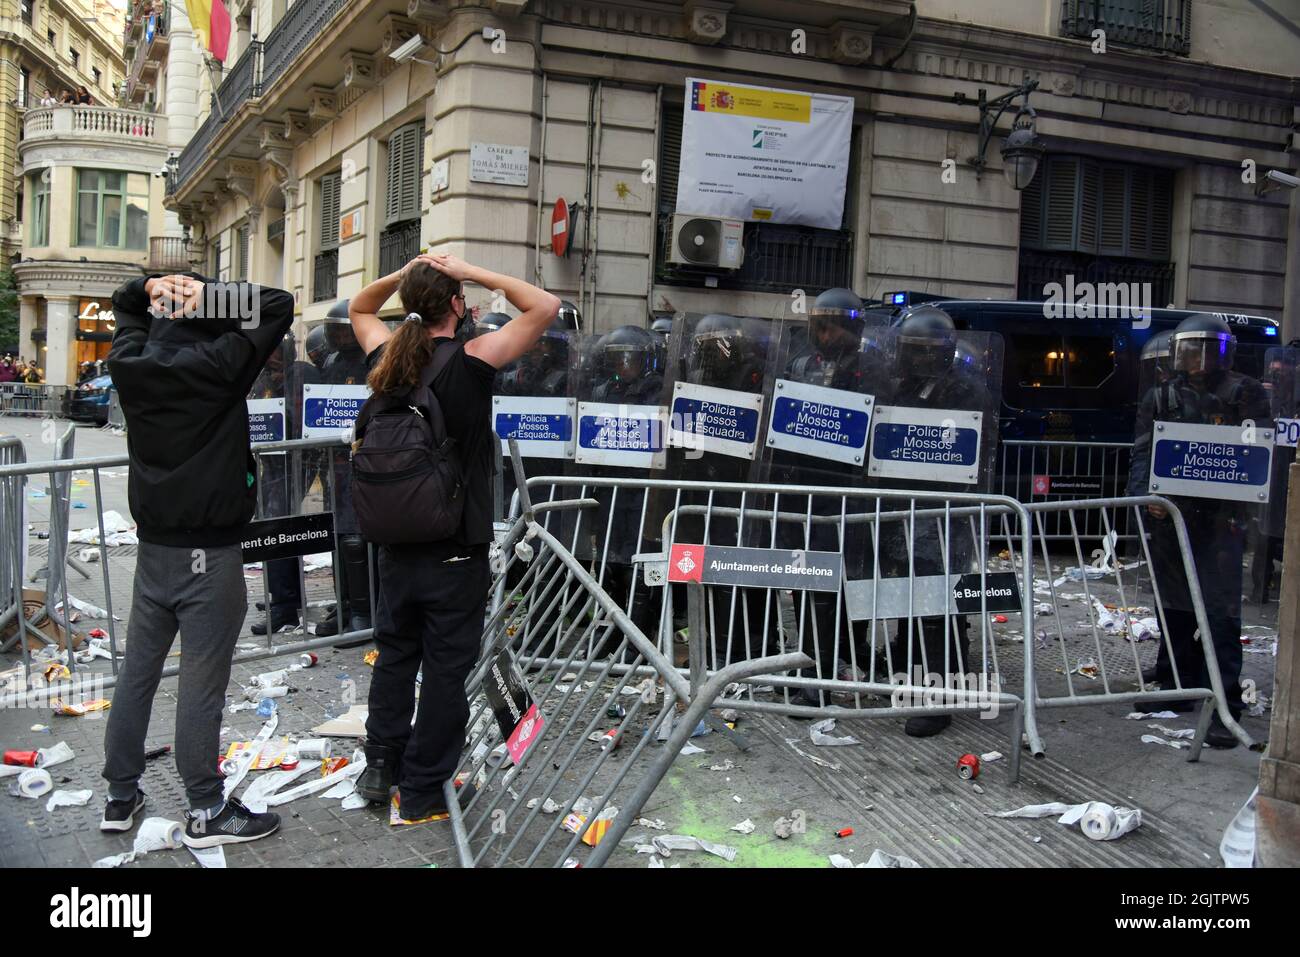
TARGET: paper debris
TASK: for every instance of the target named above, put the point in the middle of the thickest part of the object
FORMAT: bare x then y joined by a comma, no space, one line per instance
1174,732
881,859
1144,715
209,857
155,834
654,825
69,799
727,765
1098,820
990,757
665,844
744,827
822,734
1238,845
688,749
548,806
1153,739
794,743
350,724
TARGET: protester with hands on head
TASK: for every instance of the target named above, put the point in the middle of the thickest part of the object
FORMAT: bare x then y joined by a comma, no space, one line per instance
432,595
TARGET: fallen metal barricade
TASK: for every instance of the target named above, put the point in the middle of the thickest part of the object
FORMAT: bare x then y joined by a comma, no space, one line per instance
855,670
1032,471
1099,659
535,789
21,398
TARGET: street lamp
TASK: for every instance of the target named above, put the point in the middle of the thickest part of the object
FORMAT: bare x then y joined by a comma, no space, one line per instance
1023,149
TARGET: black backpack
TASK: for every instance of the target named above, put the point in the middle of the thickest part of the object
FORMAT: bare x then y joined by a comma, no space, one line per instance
408,482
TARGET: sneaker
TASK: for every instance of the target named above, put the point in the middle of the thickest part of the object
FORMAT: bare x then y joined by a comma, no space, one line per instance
235,824
120,815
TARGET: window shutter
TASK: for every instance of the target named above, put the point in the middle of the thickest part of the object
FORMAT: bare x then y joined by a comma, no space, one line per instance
1089,205
331,185
1062,204
243,252
670,155
1031,211
1162,212
405,164
1114,193
1139,218
392,186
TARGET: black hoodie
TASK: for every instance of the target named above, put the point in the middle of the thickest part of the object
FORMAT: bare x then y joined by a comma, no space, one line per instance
182,384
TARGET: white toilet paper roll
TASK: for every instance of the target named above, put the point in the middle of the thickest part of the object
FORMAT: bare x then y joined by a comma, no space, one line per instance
34,783
1099,821
158,834
315,748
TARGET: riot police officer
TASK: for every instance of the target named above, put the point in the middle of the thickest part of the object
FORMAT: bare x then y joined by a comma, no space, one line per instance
1283,385
662,329
832,350
1203,390
620,381
938,371
345,364
284,476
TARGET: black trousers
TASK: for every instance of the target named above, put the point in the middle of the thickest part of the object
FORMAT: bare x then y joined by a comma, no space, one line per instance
1192,666
430,613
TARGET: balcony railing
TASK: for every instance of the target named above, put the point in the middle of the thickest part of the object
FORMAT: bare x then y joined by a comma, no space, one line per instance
168,254
257,69
398,245
99,123
1153,24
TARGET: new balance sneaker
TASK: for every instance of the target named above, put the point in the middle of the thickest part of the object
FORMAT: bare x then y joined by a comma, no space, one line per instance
120,815
233,824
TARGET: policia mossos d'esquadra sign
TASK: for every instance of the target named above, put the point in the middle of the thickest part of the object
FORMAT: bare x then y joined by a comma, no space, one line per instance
711,419
331,410
266,420
630,436
822,422
543,426
933,445
1228,462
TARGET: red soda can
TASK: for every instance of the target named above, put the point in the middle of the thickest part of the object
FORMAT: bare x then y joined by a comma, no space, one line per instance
289,763
968,766
844,832
307,659
22,759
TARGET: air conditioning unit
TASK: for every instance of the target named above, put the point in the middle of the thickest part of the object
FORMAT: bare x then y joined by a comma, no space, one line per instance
707,241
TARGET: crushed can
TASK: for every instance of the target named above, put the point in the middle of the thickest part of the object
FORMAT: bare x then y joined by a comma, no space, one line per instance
968,766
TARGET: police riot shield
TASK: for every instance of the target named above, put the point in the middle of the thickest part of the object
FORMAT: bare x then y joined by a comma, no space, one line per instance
1204,438
283,477
534,403
621,433
935,430
830,366
720,373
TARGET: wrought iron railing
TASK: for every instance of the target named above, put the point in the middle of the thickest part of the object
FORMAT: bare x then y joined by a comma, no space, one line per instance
325,276
1153,24
300,24
275,230
398,245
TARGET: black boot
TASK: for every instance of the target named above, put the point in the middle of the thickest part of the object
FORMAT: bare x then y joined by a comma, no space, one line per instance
1218,735
926,726
280,618
377,780
329,625
356,587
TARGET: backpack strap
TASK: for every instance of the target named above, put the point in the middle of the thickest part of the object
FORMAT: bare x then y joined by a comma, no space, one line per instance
378,403
441,356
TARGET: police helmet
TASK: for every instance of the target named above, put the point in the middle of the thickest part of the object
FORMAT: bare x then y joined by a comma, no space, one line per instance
1155,354
927,341
490,323
1202,343
317,350
662,327
626,353
717,346
836,321
568,317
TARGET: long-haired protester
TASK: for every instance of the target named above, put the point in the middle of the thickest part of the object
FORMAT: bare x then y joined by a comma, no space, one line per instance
422,479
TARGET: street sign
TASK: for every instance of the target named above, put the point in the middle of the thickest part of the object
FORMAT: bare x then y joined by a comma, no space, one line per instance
756,567
288,537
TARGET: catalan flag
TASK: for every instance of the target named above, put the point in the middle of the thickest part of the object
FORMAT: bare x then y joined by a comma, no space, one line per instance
211,22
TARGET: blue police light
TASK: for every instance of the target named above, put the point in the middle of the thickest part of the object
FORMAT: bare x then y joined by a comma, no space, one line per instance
1270,330
896,298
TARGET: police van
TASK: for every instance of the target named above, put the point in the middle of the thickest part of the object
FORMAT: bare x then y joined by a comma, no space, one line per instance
1076,378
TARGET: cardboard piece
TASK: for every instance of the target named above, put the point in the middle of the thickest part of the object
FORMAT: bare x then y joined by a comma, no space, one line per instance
350,724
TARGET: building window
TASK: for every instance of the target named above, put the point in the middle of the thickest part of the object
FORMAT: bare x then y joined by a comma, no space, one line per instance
242,233
24,87
1098,222
40,193
112,209
325,275
1152,24
400,240
76,58
215,270
778,257
94,71
26,7
49,35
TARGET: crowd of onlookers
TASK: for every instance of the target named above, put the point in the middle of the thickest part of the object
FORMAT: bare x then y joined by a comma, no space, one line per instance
19,370
68,98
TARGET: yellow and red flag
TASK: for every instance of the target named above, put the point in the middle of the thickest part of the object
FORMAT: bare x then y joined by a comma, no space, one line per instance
211,22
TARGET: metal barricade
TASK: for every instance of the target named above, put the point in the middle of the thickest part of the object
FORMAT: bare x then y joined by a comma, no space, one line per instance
13,529
540,793
1101,619
21,398
933,666
116,418
1055,471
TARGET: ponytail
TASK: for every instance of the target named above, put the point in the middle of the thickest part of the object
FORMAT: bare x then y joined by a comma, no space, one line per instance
405,356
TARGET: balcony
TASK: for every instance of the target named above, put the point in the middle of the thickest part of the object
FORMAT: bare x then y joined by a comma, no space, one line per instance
1163,25
147,52
169,254
325,276
398,245
103,125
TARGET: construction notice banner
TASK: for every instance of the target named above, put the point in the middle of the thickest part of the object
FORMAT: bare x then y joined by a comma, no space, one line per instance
762,155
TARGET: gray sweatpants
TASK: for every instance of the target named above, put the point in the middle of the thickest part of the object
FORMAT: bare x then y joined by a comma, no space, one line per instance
201,592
